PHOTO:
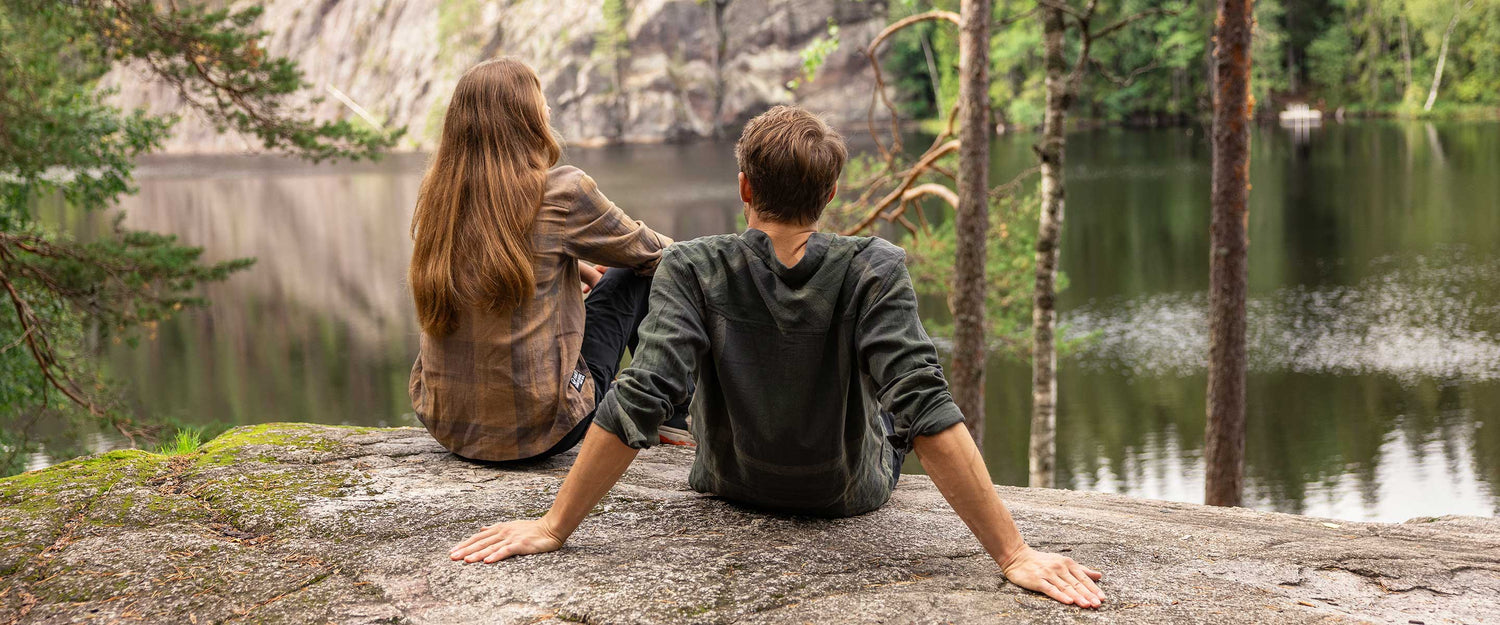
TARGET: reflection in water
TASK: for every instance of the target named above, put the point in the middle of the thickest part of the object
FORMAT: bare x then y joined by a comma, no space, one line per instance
1427,318
1377,334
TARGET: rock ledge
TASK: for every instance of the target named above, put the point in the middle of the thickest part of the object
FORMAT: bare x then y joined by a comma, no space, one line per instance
301,523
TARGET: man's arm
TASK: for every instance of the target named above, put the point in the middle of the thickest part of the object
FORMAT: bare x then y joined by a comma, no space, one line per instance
954,464
898,355
601,462
672,338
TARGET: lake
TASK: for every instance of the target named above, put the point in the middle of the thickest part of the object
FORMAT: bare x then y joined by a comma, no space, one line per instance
1374,316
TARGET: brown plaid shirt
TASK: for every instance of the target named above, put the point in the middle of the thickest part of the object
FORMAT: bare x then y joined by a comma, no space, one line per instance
503,385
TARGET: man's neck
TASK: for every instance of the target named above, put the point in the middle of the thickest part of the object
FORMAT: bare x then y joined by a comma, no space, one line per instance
789,240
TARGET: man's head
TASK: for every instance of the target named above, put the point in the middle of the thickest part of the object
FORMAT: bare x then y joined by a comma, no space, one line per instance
790,162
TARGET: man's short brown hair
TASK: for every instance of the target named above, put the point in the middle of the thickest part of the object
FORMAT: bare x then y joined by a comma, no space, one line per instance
793,160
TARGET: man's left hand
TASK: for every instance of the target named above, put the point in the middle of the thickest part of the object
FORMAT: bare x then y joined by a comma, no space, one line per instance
497,542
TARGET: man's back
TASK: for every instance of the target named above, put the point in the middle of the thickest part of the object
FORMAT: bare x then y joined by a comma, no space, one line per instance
793,366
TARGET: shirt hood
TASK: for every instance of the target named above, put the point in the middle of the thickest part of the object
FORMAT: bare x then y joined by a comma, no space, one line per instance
818,257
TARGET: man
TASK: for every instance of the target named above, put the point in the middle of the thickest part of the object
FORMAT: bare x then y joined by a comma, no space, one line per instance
814,375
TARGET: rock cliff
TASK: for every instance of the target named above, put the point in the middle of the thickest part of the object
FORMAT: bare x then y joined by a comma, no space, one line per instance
294,523
400,59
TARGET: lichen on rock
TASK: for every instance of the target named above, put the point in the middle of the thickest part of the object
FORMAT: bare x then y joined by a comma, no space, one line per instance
300,523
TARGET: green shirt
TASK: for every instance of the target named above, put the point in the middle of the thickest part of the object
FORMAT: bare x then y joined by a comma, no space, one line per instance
793,366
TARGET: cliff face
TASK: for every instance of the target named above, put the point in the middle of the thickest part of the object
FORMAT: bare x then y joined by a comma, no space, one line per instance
400,59
295,523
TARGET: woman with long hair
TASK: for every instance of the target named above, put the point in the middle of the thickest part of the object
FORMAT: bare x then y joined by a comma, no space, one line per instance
513,359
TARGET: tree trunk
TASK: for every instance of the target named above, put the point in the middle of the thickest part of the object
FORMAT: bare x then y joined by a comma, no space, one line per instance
1405,57
1437,76
1224,440
721,47
972,219
1049,235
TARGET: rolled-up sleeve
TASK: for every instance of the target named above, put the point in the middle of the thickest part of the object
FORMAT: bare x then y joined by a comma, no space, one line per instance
672,339
899,357
599,231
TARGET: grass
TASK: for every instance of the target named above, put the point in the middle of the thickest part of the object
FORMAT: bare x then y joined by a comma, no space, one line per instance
187,441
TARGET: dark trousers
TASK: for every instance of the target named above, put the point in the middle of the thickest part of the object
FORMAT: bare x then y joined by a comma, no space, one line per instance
612,313
888,420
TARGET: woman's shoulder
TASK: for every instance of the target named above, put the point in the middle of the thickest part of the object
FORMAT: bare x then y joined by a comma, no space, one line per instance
566,184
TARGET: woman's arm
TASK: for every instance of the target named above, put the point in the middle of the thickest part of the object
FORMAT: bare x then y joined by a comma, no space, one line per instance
953,461
601,462
598,231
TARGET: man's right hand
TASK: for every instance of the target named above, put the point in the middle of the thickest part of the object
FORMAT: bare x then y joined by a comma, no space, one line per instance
953,461
1056,576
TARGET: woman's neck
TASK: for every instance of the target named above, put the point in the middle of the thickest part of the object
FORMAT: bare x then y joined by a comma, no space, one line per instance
789,240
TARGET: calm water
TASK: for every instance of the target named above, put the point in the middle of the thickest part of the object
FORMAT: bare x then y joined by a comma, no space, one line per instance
1375,312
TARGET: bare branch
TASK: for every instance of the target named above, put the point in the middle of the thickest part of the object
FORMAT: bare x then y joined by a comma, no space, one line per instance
901,219
1011,19
1061,5
1010,187
1128,79
1126,21
879,96
931,188
910,179
908,21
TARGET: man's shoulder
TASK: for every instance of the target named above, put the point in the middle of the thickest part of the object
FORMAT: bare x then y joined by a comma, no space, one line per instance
700,249
873,254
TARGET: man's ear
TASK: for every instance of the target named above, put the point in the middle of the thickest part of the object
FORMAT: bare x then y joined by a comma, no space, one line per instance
745,194
832,193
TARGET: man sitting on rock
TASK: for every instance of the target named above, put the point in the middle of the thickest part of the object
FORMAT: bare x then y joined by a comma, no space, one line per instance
814,375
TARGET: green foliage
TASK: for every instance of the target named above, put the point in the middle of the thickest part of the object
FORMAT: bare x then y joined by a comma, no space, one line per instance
1331,59
613,41
62,141
1010,267
815,54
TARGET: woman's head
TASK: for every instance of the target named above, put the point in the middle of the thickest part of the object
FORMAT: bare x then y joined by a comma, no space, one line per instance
472,226
498,104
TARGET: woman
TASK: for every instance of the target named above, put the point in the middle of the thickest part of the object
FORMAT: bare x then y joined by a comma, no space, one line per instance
512,359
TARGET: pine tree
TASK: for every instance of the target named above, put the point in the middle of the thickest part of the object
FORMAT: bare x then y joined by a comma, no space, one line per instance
61,138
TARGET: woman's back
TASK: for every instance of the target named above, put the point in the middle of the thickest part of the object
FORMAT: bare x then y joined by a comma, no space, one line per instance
498,232
509,384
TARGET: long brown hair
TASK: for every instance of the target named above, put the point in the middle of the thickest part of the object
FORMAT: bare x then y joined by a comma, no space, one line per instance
475,209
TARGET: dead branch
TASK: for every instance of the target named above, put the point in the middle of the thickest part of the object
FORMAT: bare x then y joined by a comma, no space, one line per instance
931,188
879,96
1126,21
54,373
911,177
1011,19
1010,187
1127,79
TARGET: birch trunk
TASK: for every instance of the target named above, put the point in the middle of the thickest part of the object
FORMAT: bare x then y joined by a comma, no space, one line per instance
1437,76
972,218
1224,439
1049,234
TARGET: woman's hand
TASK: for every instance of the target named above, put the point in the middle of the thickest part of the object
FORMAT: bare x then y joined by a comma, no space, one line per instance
1056,576
497,542
589,274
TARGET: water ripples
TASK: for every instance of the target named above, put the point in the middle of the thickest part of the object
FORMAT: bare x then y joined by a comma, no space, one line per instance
1427,317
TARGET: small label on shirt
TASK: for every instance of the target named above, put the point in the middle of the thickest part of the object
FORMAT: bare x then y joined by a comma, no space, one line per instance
577,380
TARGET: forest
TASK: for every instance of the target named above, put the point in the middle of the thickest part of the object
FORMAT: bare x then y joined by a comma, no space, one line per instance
1367,57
